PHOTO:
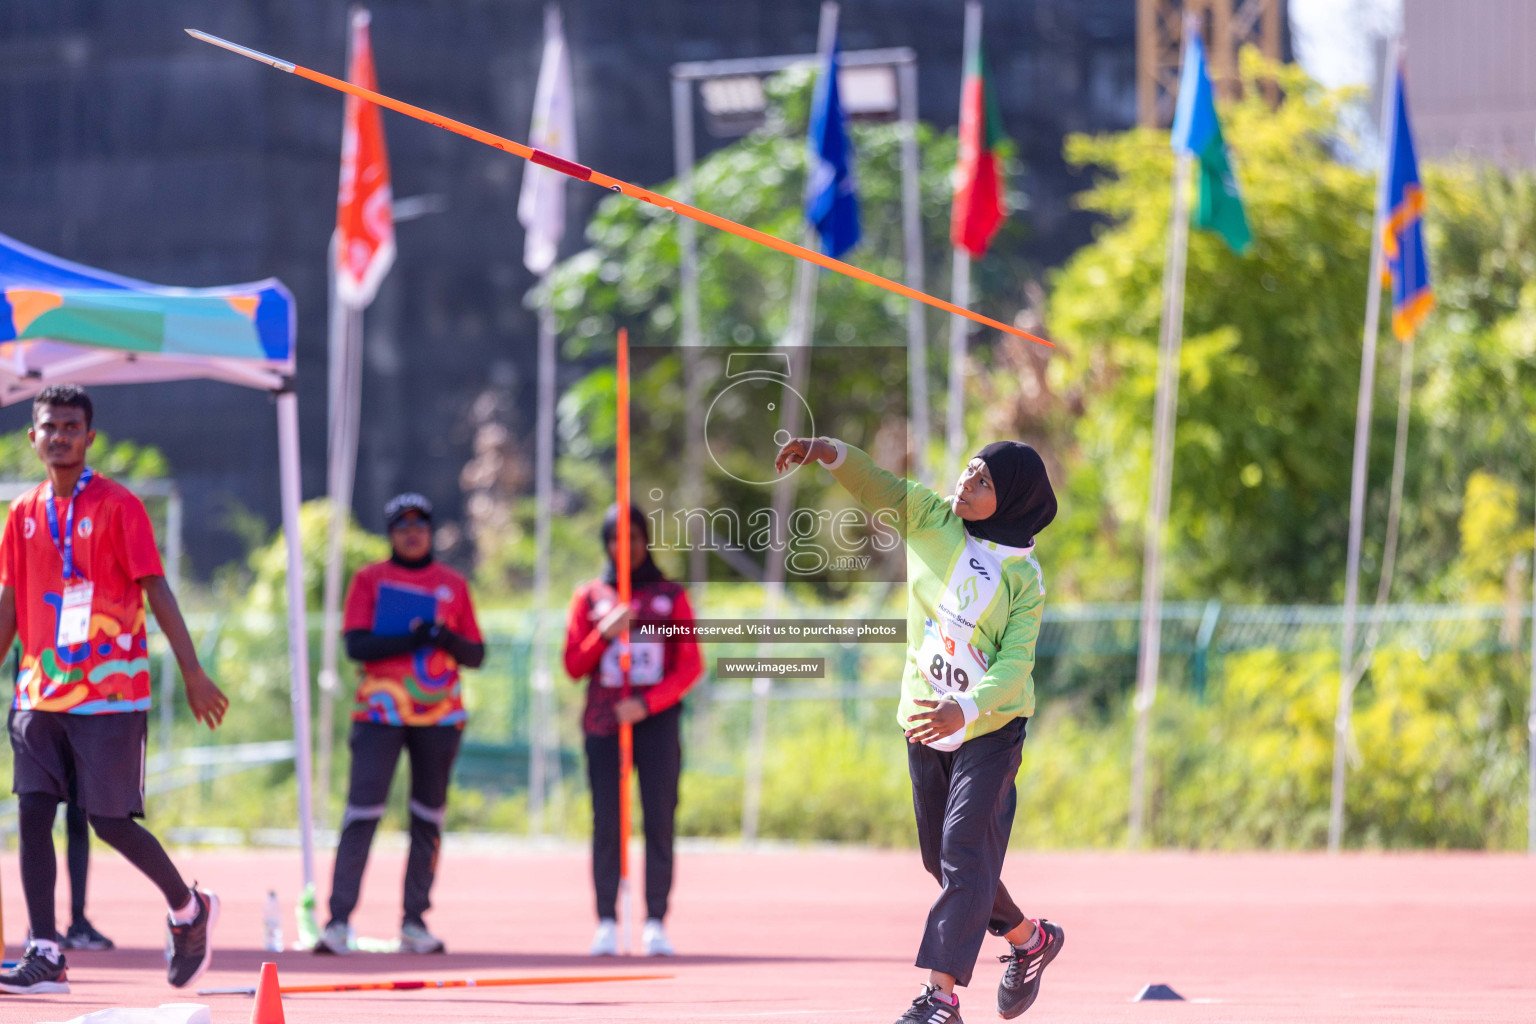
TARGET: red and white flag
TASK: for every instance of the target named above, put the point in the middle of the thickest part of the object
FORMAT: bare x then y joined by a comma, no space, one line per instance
365,225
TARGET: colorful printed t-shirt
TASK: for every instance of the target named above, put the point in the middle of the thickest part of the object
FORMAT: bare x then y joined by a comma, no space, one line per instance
420,688
113,548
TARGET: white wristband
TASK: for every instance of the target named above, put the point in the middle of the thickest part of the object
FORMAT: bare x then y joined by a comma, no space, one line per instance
839,447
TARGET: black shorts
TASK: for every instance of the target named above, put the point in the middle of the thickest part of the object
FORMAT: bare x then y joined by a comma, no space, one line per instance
96,759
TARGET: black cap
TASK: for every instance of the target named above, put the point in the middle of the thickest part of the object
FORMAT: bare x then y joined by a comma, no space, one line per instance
400,504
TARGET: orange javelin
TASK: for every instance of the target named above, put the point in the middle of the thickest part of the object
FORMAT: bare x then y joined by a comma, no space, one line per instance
585,173
404,986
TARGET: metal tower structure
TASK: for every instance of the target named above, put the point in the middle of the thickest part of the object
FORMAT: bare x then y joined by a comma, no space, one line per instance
1225,25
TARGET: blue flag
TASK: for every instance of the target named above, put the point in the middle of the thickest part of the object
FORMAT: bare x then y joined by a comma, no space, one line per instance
831,201
1197,132
1402,238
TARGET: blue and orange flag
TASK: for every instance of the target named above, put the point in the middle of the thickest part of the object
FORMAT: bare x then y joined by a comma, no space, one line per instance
1402,241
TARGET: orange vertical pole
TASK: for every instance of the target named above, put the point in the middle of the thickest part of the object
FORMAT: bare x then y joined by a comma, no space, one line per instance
626,732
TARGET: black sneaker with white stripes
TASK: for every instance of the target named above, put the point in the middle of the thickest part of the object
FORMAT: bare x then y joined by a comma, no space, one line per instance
1021,981
36,973
930,1007
191,950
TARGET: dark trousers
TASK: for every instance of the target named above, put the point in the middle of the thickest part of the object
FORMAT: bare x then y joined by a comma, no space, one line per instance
659,763
964,800
375,752
78,857
97,763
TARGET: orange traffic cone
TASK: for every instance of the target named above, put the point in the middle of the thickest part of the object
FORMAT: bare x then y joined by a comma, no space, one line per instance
269,998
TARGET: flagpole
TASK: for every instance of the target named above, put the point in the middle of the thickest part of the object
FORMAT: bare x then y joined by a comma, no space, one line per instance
541,212
346,350
688,269
544,488
1347,678
1165,407
798,339
960,285
330,636
346,346
912,248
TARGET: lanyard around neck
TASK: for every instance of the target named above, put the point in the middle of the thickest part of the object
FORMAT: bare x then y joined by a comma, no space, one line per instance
66,545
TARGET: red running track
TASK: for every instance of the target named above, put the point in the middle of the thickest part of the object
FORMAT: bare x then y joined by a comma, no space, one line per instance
828,935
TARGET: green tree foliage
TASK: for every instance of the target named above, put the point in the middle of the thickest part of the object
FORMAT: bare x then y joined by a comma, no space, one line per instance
1475,396
1271,364
122,460
251,660
1267,375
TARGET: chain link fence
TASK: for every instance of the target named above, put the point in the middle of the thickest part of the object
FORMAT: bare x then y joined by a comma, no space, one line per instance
1085,655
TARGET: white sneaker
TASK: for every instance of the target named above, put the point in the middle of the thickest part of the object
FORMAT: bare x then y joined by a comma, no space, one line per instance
337,938
605,941
654,939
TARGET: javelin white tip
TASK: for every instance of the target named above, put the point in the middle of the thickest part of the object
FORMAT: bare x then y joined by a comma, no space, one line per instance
244,51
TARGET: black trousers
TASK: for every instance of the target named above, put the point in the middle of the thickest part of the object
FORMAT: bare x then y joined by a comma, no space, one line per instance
965,800
375,751
78,857
659,763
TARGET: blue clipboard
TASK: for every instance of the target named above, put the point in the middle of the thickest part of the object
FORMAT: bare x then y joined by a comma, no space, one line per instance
398,606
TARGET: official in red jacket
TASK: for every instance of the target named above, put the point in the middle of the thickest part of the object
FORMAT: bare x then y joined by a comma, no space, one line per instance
660,673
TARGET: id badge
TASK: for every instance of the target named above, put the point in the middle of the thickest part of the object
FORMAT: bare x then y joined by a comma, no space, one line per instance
75,614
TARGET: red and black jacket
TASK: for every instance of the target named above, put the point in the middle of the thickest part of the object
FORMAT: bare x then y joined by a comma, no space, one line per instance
661,671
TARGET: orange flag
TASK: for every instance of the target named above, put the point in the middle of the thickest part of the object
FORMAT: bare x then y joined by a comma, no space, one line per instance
365,224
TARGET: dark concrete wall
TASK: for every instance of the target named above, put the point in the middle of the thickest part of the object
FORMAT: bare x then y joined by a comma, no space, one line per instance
129,146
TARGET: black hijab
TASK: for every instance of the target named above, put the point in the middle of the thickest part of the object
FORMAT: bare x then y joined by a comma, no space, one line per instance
646,571
1025,502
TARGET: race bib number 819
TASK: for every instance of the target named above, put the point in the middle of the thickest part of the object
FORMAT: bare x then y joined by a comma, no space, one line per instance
936,658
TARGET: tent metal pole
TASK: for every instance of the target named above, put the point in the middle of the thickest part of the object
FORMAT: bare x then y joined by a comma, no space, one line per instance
298,634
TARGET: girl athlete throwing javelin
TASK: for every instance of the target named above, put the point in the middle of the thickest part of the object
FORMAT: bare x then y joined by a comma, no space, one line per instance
975,596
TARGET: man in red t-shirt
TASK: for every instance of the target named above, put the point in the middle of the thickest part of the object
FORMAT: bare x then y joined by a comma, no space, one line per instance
409,621
77,562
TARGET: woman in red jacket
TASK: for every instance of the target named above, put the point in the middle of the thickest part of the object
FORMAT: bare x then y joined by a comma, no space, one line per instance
660,673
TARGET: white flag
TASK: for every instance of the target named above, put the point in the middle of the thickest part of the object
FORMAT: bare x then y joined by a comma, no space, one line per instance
541,206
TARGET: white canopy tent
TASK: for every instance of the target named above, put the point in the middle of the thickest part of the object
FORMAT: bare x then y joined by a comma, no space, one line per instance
64,322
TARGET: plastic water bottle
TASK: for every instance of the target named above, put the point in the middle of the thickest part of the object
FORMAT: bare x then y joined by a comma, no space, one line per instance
272,925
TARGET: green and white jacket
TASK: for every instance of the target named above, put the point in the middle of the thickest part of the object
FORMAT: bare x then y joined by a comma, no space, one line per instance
973,606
